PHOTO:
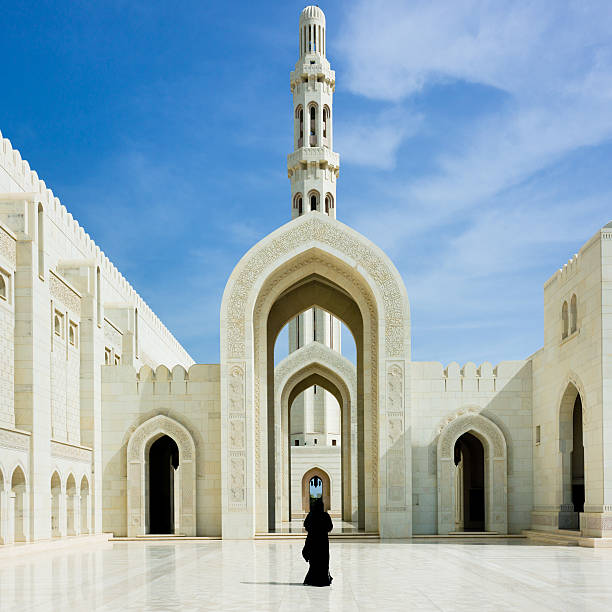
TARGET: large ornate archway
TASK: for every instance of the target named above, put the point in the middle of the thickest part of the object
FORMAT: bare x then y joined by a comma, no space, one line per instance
316,363
314,261
495,470
137,474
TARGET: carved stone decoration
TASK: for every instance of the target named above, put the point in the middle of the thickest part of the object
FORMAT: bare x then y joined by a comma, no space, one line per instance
63,450
137,485
395,447
62,292
313,246
236,389
237,476
236,438
8,247
14,440
339,237
236,434
496,470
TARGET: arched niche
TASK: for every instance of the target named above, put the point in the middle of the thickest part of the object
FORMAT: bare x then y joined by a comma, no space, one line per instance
315,261
572,398
138,477
317,364
305,488
495,469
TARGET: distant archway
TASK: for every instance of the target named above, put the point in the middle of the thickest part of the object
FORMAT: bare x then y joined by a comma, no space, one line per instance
71,506
316,472
138,493
85,510
56,495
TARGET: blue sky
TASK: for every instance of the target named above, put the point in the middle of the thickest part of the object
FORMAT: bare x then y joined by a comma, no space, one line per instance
475,141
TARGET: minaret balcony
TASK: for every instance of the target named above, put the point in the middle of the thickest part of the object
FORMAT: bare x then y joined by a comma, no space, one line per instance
313,155
303,71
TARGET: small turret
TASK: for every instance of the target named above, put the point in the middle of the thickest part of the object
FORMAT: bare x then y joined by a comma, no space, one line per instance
312,31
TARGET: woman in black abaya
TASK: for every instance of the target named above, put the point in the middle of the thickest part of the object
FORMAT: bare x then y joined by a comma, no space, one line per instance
316,549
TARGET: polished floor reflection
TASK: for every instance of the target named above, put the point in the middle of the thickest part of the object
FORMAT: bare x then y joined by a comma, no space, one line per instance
412,575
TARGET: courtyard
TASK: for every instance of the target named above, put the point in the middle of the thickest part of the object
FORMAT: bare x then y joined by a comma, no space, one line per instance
419,574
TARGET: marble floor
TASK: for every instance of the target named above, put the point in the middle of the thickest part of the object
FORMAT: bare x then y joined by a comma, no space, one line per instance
409,575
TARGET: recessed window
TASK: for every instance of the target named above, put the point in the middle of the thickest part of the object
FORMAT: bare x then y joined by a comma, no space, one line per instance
537,434
296,443
564,321
333,442
117,360
3,287
108,354
315,440
73,334
58,324
573,314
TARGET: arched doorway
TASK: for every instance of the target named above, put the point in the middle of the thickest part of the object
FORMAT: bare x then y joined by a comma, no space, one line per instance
140,476
453,461
84,505
316,484
469,484
571,443
71,505
19,502
163,463
315,262
56,493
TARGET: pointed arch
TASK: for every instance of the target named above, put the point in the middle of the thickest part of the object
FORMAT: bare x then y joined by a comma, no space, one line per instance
138,447
318,364
315,261
19,501
496,470
305,488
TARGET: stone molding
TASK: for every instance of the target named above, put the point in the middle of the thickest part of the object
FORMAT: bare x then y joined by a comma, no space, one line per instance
60,290
8,246
74,452
14,440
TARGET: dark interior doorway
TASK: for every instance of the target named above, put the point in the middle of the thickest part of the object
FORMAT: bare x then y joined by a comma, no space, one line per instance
315,489
578,458
469,450
163,461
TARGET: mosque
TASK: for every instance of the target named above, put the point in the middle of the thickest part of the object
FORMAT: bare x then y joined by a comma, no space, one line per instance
108,426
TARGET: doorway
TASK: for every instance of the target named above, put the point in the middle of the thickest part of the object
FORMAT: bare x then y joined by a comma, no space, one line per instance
469,484
163,463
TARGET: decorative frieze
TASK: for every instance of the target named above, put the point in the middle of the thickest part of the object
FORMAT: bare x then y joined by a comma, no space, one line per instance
8,247
65,294
14,440
72,452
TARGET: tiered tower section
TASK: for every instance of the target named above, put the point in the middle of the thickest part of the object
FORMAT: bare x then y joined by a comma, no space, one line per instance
313,170
313,166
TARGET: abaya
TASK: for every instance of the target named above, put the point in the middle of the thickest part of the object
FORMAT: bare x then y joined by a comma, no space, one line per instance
316,549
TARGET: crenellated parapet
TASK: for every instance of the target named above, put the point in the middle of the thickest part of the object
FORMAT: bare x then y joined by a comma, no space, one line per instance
30,188
468,378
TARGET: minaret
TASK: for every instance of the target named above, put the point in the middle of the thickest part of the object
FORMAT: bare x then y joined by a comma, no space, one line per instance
313,166
313,169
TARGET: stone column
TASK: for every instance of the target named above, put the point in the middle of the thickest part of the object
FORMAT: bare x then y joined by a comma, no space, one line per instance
77,513
63,516
10,516
3,516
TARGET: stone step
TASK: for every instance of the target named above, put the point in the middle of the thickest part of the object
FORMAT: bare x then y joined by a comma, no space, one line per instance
558,537
472,534
332,536
162,538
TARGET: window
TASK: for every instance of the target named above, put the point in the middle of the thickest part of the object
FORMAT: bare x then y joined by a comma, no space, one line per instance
564,319
573,314
299,115
98,298
41,242
58,324
537,434
296,443
107,356
313,199
72,333
312,111
329,203
3,287
325,121
117,360
297,203
315,440
334,442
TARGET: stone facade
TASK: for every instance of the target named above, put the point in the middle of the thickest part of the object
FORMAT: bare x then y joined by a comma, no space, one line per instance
103,413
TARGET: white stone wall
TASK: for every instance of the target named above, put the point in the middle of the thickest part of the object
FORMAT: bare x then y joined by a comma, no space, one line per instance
504,396
303,459
192,399
7,329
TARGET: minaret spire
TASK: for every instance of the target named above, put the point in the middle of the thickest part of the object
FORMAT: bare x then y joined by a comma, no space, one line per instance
313,167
